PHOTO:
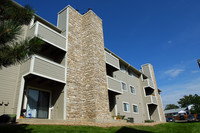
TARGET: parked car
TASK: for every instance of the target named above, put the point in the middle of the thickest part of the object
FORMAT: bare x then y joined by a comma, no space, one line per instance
170,119
191,118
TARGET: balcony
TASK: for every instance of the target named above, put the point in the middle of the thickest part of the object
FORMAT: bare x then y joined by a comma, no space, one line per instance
150,99
42,67
114,85
48,35
148,83
111,60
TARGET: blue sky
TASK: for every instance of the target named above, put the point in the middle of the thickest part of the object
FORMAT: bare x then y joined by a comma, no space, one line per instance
165,33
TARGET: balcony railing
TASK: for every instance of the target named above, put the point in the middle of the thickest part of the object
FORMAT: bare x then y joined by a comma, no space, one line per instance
114,85
47,69
150,99
47,34
111,60
148,83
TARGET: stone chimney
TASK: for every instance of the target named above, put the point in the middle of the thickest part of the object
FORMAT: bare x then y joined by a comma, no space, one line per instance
87,93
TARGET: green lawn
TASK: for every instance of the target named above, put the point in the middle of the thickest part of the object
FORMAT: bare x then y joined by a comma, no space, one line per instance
161,128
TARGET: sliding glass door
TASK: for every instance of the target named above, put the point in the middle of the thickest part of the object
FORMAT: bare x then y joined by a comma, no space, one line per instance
38,104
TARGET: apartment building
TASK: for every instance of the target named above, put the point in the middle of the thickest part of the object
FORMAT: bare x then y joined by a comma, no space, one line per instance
74,77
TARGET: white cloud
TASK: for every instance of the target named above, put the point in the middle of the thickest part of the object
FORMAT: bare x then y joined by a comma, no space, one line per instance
173,72
169,42
172,93
195,71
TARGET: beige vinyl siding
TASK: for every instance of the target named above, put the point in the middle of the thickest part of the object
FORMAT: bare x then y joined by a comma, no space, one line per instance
154,100
48,69
155,115
62,18
8,80
51,36
147,99
31,31
58,103
113,84
24,69
110,59
132,99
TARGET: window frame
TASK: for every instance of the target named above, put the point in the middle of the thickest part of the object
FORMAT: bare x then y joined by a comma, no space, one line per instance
128,111
125,86
137,108
133,88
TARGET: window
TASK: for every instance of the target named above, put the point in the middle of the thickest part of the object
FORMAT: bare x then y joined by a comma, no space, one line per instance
124,86
122,68
132,89
130,72
135,109
126,107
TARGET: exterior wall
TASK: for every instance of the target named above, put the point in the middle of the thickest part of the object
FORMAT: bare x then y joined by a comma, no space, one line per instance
148,70
87,94
87,85
161,112
127,96
8,83
57,103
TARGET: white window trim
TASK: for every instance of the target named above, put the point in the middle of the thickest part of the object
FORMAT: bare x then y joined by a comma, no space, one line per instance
122,86
137,109
134,89
123,107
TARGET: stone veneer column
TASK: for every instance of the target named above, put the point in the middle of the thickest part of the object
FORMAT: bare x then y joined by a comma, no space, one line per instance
87,93
160,106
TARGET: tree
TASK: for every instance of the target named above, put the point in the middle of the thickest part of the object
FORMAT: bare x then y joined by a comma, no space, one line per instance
171,106
14,49
191,99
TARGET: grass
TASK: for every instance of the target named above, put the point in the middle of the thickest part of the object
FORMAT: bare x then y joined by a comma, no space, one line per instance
161,128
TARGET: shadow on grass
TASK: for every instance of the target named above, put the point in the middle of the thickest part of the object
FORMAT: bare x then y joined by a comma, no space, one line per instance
130,130
14,128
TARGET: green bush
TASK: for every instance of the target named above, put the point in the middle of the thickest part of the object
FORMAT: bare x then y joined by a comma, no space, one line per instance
149,121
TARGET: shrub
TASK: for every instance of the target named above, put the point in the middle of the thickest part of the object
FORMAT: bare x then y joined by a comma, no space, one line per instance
149,121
